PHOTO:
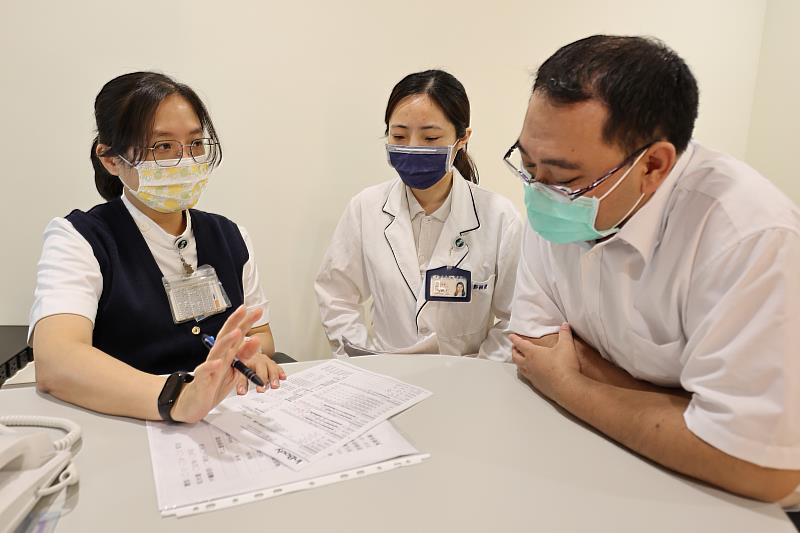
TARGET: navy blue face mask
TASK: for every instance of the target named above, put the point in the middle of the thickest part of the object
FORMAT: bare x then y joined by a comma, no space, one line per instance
420,167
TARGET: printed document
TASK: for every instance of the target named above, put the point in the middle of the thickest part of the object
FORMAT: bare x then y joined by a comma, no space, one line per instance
200,468
314,412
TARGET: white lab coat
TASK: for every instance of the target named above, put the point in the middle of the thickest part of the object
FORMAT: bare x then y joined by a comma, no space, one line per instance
373,254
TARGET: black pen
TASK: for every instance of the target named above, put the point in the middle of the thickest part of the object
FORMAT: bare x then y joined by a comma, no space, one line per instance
208,341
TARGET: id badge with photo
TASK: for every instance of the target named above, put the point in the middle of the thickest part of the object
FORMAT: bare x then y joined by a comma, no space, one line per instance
448,284
196,296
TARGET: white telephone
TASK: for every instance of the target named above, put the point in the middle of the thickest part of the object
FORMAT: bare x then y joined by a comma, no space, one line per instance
33,466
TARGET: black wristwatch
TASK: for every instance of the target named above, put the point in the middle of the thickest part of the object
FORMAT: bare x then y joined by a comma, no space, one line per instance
170,392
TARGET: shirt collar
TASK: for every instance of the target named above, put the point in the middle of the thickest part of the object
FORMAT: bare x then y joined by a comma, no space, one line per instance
644,229
153,231
441,214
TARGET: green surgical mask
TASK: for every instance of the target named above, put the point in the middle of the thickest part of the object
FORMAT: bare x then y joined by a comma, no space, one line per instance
562,220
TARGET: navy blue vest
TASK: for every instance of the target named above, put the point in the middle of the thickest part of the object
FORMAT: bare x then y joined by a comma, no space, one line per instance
134,322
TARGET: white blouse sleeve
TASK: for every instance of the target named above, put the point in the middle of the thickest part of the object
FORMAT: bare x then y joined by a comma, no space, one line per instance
68,277
251,284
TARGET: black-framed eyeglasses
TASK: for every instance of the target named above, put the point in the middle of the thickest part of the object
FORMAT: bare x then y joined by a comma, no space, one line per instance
526,177
169,152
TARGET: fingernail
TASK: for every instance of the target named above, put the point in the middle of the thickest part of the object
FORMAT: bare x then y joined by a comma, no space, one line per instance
241,390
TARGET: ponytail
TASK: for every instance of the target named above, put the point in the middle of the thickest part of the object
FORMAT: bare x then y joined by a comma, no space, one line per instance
108,185
466,166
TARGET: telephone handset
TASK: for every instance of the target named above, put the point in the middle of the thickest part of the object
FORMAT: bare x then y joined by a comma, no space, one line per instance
32,465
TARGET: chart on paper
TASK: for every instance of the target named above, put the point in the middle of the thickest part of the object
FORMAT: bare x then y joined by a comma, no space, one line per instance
198,464
315,411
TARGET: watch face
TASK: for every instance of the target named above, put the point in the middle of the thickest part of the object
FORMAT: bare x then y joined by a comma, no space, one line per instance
170,390
173,386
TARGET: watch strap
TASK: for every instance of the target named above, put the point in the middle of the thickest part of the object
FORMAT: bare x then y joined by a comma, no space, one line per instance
169,393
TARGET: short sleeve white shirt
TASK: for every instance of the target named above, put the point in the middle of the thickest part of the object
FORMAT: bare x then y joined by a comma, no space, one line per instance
699,289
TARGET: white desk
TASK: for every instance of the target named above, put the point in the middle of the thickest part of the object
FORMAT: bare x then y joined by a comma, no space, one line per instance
503,459
24,376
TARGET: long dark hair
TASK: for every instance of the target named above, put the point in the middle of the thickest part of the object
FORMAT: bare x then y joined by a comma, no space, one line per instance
448,93
124,111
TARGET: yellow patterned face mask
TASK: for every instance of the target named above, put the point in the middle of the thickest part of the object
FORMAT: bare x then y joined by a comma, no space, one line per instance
171,189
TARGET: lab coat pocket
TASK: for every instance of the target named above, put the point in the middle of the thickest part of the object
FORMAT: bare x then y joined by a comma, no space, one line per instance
658,363
459,319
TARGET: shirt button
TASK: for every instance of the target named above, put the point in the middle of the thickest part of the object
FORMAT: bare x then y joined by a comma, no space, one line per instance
196,330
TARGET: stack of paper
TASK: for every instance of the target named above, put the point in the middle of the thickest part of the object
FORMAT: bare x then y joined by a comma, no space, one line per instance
324,424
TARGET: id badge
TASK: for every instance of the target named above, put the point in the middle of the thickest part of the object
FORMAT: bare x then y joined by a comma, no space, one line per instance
196,296
448,284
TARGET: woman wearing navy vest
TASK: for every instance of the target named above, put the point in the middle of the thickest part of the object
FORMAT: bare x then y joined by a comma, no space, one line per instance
126,291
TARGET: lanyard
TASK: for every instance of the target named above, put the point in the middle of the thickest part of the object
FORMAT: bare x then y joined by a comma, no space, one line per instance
181,243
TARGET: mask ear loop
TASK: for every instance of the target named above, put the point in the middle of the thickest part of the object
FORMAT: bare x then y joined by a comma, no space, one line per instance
135,169
451,157
609,191
632,209
454,153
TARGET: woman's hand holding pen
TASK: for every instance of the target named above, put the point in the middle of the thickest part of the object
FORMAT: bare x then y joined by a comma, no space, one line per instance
214,378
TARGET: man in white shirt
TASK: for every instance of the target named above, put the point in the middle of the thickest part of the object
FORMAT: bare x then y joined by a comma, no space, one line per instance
658,294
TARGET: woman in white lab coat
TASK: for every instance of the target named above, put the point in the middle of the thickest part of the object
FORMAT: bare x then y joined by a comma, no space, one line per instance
406,244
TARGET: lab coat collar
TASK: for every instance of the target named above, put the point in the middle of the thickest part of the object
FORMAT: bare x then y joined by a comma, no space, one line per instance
645,228
400,237
462,220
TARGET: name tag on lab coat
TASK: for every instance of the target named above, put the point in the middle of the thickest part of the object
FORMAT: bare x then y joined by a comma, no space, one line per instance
448,284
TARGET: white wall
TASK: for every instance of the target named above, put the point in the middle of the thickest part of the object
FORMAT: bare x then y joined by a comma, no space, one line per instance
775,128
297,91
